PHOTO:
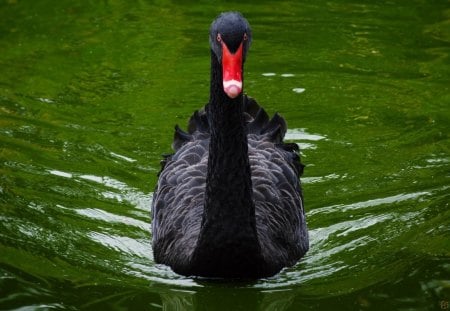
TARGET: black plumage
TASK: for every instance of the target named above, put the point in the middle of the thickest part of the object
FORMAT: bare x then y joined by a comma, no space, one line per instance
228,202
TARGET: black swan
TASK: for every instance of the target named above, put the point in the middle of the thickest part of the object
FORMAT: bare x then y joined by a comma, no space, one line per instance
228,203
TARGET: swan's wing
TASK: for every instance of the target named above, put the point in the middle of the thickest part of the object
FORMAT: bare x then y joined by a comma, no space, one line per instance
280,215
276,169
177,205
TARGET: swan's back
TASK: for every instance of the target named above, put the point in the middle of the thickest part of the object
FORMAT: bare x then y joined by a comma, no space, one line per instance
179,197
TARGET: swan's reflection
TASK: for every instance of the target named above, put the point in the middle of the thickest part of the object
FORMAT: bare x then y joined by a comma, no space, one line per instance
227,297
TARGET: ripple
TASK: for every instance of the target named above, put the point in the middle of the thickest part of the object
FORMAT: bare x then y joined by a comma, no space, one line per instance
60,173
434,161
314,180
344,244
369,203
135,247
124,192
122,157
102,215
299,135
318,272
182,282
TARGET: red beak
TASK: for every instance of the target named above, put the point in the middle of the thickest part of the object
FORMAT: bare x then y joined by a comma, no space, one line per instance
232,71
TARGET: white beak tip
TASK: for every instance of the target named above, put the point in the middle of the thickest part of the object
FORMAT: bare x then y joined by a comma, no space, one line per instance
232,88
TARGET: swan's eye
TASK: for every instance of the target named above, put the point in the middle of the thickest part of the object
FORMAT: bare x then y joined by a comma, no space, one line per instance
219,38
245,37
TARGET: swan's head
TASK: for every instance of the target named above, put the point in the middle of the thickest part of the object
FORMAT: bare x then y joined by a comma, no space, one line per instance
230,36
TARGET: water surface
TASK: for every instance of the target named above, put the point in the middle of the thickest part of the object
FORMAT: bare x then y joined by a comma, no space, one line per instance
89,95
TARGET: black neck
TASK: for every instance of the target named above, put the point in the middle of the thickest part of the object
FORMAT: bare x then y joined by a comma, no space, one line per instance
229,184
228,229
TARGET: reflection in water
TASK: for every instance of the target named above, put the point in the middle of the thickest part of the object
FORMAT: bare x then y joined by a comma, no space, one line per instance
227,297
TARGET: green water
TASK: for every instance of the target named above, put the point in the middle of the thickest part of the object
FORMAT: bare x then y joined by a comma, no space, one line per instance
90,92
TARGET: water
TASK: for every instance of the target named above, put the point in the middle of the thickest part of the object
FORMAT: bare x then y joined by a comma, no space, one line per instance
89,95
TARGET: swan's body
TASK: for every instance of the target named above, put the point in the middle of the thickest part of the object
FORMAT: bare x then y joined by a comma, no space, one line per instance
228,203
